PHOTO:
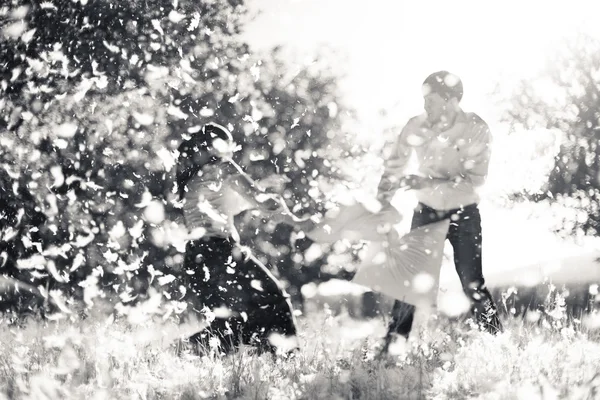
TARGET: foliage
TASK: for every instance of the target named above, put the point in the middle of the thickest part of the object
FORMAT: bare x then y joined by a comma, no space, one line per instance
565,98
96,96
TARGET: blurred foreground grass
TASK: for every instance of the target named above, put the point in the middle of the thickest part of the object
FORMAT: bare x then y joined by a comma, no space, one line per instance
99,358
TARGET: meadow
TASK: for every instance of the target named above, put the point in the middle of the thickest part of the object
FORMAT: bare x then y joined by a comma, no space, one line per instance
545,356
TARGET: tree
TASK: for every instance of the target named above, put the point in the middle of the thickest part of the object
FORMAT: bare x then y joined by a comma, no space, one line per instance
566,98
96,97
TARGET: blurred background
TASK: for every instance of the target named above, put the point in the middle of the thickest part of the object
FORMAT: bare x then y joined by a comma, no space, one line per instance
528,70
95,97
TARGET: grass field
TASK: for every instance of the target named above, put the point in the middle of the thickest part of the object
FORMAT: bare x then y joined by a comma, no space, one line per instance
100,358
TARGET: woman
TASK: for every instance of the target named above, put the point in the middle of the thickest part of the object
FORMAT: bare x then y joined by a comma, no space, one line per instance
250,305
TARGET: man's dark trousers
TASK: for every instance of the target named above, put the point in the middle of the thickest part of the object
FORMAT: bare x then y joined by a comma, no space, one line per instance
464,235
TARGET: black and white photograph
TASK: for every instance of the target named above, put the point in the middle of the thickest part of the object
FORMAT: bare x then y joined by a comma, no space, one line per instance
299,199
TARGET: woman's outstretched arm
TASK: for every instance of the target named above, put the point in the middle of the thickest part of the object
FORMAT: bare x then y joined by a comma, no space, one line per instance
253,193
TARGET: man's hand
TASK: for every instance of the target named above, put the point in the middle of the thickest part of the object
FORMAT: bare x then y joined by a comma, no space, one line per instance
415,182
394,166
418,182
385,197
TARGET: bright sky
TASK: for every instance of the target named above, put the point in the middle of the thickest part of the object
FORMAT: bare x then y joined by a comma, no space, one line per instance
392,45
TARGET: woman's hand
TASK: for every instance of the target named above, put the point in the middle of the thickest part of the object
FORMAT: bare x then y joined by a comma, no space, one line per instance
284,215
267,202
274,182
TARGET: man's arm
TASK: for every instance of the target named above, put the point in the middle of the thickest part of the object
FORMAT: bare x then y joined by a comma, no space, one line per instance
394,166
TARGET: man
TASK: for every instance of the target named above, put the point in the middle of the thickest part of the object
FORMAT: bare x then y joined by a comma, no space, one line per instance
453,152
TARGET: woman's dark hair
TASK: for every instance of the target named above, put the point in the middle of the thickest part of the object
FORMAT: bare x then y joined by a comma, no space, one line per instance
190,159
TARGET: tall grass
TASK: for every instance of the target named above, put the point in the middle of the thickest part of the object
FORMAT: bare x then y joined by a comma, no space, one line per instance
100,358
